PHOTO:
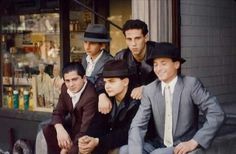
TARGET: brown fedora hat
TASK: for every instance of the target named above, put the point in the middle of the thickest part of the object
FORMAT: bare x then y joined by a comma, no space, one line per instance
165,50
96,33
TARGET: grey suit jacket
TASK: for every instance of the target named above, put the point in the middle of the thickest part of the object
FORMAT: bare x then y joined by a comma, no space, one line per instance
189,96
99,65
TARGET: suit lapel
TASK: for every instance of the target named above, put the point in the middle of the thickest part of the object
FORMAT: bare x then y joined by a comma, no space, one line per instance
176,101
99,64
84,62
159,108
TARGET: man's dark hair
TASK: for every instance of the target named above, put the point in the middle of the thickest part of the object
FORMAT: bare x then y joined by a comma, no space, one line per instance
135,24
74,66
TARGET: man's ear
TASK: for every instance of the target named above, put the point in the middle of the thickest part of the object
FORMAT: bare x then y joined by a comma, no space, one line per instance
146,37
177,64
103,46
126,81
84,78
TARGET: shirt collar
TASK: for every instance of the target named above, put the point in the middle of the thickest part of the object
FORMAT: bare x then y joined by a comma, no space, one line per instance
171,84
76,96
89,58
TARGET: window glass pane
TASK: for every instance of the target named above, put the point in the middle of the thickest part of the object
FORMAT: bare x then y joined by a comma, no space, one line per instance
120,12
29,43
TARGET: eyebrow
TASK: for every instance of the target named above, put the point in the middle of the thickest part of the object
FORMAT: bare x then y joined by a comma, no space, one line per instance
75,78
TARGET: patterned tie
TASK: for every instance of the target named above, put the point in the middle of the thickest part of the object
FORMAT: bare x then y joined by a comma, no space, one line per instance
168,137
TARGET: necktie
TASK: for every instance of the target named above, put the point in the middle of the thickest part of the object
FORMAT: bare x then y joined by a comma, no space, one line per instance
168,137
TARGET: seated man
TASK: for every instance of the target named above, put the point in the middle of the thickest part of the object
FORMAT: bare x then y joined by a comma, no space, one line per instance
109,132
175,101
95,43
78,98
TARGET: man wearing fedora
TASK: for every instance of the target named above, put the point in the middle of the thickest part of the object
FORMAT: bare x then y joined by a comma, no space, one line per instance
108,132
95,39
174,101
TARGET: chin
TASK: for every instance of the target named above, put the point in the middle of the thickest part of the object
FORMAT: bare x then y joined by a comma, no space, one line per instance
111,94
74,91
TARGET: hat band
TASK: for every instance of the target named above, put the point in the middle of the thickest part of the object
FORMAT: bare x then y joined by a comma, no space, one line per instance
95,35
116,73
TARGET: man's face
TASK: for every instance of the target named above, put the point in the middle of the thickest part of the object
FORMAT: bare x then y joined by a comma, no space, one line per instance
73,81
165,69
93,49
115,86
135,41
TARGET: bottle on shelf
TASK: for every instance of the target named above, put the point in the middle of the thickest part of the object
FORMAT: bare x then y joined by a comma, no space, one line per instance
26,99
5,98
21,99
9,98
7,66
31,100
15,99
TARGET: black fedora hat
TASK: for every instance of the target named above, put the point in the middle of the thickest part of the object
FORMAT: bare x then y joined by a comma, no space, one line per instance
115,68
165,50
96,33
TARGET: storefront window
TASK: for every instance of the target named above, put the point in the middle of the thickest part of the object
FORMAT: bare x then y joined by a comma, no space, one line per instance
80,17
30,48
120,12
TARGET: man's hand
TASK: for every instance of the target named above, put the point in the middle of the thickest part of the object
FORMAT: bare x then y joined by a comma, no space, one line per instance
185,147
104,104
64,151
137,93
63,138
87,144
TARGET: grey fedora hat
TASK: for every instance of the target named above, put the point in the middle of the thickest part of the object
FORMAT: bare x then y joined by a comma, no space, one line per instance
96,33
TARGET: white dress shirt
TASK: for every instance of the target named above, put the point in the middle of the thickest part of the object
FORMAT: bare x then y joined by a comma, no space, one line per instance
76,96
171,84
91,63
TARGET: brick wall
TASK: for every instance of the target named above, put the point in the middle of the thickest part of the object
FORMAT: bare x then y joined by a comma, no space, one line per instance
208,43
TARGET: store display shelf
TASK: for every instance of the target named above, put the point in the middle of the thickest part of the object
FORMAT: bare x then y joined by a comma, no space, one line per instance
7,81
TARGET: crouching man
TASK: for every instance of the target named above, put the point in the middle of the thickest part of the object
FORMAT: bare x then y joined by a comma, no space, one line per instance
107,133
78,99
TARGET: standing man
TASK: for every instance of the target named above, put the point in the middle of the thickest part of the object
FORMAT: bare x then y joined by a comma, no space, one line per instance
138,51
95,39
78,98
107,133
175,101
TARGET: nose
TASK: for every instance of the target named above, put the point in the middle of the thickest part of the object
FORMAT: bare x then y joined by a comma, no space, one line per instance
133,42
107,86
70,84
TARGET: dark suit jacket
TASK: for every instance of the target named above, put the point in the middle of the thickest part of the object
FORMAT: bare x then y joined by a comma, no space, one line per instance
81,116
189,96
112,129
99,65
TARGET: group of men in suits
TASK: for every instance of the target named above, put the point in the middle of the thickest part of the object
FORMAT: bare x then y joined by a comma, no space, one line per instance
103,116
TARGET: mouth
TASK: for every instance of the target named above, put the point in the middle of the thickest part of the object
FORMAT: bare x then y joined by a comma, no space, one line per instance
161,73
134,49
